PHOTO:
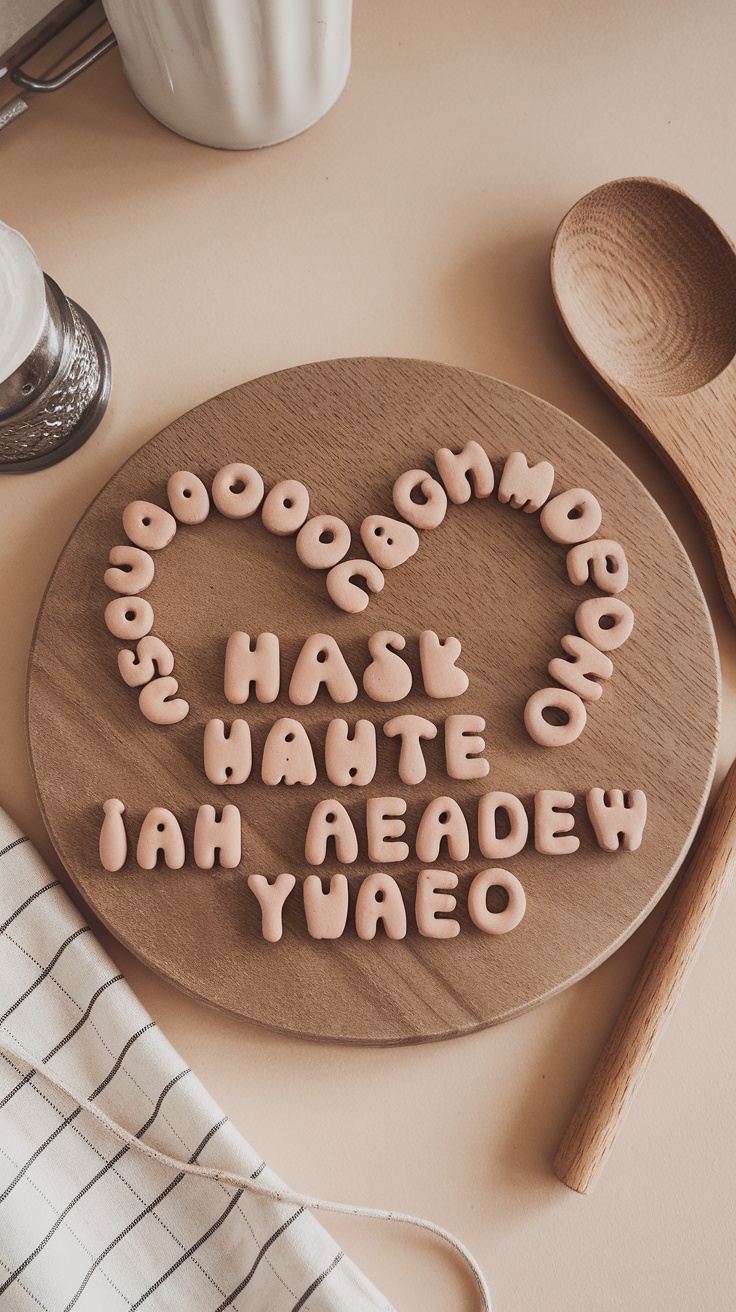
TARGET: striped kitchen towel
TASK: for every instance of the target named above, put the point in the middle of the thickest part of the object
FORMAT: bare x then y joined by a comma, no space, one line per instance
122,1185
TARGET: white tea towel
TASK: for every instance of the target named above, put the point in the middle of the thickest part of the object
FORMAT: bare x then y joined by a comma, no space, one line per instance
121,1182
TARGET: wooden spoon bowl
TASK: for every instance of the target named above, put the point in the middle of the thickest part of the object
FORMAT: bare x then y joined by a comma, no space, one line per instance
645,286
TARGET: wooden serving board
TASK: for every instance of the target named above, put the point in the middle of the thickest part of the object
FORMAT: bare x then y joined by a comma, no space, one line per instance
488,575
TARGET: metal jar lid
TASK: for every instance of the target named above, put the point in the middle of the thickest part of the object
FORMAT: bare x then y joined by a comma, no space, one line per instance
56,398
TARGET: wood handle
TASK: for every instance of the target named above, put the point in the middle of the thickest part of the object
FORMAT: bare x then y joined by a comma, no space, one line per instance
692,434
621,1066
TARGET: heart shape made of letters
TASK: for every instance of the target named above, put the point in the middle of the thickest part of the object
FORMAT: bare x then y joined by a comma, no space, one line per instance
488,575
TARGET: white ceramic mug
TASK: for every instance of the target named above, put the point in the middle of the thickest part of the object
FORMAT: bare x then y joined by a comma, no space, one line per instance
234,73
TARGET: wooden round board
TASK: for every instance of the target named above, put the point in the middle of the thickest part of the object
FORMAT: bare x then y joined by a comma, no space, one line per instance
488,575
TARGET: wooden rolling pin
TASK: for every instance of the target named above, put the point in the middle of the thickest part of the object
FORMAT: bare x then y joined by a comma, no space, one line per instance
621,1066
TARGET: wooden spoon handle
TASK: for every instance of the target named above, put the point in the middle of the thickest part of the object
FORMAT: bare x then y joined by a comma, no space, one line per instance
695,436
621,1066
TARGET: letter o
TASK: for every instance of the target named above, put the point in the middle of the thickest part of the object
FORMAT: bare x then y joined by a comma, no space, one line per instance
234,502
496,922
148,526
129,618
285,509
316,554
556,517
554,735
589,615
188,497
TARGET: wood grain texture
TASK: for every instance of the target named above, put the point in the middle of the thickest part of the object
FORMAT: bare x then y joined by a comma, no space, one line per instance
489,575
645,285
624,1060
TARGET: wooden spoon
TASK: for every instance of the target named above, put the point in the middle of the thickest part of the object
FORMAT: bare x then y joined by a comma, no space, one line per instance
621,1066
645,286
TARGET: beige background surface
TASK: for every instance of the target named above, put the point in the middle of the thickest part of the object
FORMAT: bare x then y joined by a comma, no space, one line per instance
415,219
